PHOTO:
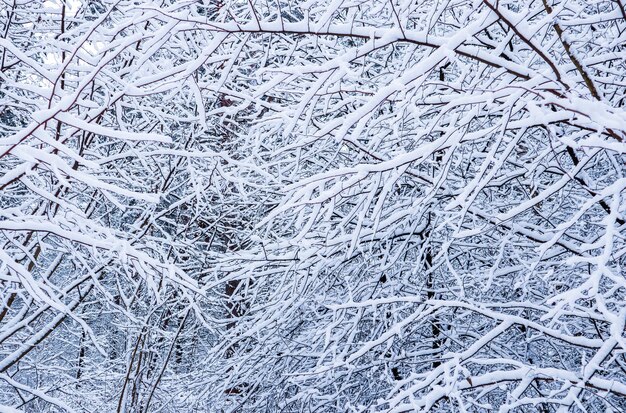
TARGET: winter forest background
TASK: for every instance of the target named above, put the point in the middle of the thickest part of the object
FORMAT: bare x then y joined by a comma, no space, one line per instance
312,206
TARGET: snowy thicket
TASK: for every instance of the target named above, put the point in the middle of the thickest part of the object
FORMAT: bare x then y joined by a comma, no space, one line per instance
312,206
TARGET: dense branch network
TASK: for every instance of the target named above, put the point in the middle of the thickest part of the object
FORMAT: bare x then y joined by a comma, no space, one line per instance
312,206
